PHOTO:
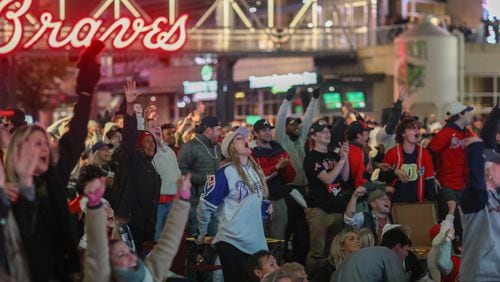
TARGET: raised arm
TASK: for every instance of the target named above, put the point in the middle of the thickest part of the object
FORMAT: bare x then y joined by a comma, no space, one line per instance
72,143
474,196
280,129
160,259
350,210
396,112
24,167
491,127
96,259
130,124
309,115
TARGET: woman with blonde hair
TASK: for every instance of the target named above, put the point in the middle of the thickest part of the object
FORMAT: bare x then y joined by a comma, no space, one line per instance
42,212
344,244
366,237
235,193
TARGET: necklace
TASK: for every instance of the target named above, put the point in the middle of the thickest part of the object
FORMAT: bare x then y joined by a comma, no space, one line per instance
208,151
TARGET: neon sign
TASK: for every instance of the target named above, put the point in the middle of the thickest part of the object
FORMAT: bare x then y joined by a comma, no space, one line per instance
281,83
123,32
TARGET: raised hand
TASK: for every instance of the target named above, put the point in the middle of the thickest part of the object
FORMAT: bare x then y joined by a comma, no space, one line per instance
12,191
150,112
90,71
282,163
24,164
360,191
403,93
316,93
184,187
130,92
290,93
344,150
94,190
452,206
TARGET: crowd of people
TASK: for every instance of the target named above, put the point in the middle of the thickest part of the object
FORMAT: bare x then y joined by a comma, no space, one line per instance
121,201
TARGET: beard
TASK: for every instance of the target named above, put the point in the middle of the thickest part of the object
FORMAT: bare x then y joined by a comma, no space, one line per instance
293,137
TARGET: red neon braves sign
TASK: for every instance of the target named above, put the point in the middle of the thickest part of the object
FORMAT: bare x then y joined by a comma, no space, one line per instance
122,33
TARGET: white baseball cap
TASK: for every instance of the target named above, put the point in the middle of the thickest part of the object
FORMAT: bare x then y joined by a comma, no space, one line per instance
387,227
456,107
243,131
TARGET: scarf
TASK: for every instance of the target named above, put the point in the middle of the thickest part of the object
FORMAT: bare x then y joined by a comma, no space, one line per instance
132,276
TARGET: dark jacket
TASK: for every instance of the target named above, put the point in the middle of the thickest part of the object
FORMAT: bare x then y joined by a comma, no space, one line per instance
47,231
200,158
491,129
276,179
141,186
325,271
481,220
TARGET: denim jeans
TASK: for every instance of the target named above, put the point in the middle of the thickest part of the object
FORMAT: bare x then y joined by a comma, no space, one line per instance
161,218
193,223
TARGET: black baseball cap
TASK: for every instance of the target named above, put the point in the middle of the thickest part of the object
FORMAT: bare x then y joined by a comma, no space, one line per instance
319,126
208,122
491,155
99,145
358,126
293,120
261,124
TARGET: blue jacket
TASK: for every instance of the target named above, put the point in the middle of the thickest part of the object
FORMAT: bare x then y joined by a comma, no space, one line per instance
238,209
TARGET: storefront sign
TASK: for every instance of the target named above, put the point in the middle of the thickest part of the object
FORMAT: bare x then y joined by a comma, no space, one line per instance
283,82
205,96
123,32
192,87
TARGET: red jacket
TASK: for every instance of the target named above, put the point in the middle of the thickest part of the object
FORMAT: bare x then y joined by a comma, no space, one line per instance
267,160
425,167
357,165
448,145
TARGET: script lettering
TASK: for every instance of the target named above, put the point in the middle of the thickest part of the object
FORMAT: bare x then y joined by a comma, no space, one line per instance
13,18
122,33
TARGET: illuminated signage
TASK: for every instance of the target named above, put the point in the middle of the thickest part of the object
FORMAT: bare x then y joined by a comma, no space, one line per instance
205,96
332,100
192,87
281,83
357,99
157,34
207,73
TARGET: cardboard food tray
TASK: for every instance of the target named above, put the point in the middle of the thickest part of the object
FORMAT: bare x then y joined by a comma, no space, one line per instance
419,217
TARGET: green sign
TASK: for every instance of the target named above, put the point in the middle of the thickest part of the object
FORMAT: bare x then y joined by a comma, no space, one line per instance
333,100
357,99
207,72
278,90
251,119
